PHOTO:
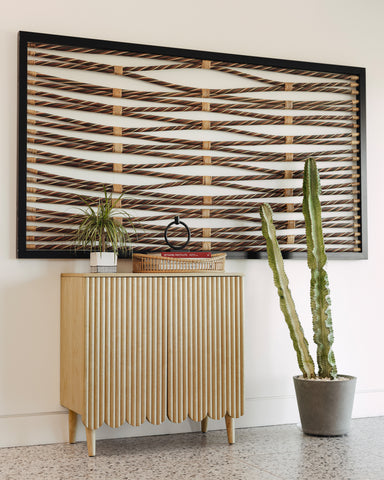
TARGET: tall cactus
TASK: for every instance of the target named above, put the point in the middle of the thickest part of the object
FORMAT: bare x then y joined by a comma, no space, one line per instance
319,289
316,258
287,305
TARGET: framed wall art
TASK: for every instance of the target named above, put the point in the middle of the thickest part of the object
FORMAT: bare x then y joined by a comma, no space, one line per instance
201,135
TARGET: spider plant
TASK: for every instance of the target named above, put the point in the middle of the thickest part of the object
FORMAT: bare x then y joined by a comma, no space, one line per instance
101,228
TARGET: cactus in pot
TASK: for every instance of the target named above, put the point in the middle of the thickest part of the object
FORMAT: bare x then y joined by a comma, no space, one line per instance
287,305
319,290
325,407
316,259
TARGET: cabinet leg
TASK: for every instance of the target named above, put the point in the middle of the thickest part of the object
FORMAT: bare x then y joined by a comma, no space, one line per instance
230,424
204,424
72,420
91,441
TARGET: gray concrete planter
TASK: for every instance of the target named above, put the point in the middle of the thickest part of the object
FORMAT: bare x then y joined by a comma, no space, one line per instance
325,406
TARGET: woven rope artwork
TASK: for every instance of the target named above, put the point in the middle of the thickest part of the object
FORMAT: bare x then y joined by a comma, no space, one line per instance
204,139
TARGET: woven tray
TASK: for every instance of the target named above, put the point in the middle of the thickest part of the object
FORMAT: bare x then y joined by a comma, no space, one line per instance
155,263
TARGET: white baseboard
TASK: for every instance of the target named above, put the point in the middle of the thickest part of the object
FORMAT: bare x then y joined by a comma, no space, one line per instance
52,427
33,429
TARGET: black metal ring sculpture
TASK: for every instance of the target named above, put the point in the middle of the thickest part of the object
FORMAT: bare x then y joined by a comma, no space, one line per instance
177,221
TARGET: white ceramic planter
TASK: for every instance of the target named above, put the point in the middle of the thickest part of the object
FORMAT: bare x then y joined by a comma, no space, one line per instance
103,262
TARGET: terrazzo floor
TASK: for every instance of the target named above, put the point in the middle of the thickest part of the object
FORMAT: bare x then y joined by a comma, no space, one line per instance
264,453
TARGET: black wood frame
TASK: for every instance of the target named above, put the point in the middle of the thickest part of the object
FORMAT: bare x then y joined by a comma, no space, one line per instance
25,37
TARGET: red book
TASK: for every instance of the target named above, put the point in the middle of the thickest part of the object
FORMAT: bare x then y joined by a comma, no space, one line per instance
186,254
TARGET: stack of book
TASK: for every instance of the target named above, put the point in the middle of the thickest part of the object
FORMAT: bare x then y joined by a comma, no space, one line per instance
186,254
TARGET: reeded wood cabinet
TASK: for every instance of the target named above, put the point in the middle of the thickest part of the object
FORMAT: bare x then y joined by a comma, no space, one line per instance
138,347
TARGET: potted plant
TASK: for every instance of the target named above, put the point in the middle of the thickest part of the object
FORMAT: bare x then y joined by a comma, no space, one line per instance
324,399
102,232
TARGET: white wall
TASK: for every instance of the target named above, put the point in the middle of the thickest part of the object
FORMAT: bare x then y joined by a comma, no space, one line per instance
345,32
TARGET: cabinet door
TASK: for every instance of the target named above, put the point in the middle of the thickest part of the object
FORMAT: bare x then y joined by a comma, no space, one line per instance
205,363
125,351
162,346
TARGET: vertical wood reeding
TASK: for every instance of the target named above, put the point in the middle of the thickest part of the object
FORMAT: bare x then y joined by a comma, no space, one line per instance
96,342
129,395
117,352
162,346
211,308
123,346
102,351
170,349
194,370
137,365
220,360
189,333
234,358
112,350
178,286
227,350
213,413
205,319
107,396
144,343
86,355
150,378
183,341
131,355
93,397
164,334
200,375
240,310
